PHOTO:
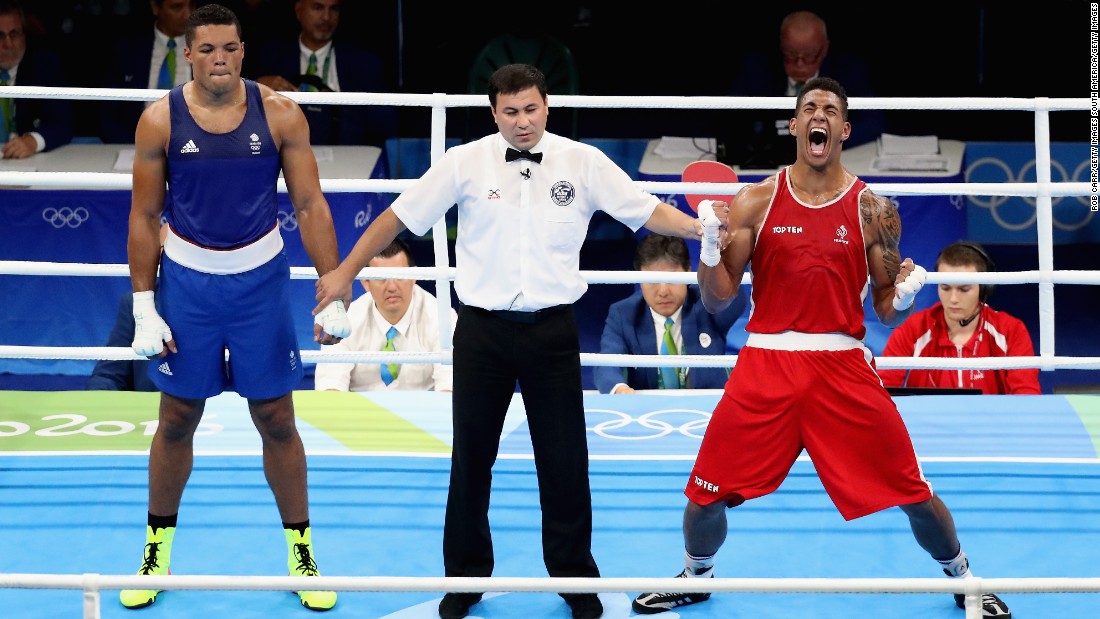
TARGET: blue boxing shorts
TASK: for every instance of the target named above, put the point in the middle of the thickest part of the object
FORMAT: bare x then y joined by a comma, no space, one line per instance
246,313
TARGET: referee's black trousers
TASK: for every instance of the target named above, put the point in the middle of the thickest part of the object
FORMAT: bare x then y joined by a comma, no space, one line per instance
492,351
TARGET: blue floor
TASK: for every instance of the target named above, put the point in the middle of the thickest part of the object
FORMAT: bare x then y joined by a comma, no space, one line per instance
382,515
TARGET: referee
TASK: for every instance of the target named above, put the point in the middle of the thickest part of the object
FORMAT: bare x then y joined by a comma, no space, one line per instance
525,198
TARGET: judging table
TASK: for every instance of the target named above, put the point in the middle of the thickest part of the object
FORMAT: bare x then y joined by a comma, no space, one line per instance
929,223
84,225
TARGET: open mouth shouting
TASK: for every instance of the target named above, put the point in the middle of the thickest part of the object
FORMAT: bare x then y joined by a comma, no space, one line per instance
819,139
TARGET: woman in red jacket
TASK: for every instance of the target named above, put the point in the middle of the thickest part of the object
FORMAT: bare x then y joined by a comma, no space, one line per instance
962,325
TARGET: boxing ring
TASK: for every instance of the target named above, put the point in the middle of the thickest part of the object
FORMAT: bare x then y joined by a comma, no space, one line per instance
1019,472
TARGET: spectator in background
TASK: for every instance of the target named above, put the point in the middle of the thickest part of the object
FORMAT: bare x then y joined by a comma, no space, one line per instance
413,316
152,58
29,126
316,62
665,319
263,21
963,326
761,138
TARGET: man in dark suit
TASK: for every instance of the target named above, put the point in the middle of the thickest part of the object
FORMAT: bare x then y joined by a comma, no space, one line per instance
761,138
29,126
664,319
152,58
315,62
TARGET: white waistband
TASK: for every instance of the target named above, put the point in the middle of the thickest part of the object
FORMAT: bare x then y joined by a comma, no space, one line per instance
793,340
223,261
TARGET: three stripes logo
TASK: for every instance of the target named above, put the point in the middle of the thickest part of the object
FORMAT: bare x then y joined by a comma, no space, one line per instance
164,369
189,147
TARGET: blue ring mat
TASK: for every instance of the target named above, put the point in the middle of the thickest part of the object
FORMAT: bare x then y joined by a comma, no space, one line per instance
1019,473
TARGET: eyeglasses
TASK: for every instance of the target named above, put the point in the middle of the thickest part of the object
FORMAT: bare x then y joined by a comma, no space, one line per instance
12,36
792,58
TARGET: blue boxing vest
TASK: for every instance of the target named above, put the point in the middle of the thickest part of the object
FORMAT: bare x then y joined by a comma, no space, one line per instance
222,187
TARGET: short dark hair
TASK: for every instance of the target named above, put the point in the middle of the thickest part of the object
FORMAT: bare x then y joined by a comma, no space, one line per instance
965,253
827,84
655,247
14,7
969,253
210,15
397,247
512,78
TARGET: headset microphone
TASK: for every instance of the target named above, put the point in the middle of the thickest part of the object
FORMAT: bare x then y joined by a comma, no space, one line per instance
526,174
966,321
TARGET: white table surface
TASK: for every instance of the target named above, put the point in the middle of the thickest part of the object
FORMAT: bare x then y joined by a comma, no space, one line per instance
857,160
346,162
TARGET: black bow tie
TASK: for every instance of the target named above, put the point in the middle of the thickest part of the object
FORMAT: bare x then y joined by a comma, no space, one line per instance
514,154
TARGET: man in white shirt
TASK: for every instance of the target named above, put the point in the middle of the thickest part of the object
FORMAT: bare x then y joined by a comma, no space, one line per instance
525,198
412,313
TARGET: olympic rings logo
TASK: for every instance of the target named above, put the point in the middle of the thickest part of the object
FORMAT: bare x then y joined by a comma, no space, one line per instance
651,425
993,170
287,221
65,216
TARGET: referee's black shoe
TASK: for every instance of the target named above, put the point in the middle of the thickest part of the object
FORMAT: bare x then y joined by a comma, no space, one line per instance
584,605
457,605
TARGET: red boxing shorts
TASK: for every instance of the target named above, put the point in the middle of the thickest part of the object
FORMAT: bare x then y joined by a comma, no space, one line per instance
830,403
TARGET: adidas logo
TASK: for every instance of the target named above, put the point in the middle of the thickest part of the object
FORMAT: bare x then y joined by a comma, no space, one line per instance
189,147
164,369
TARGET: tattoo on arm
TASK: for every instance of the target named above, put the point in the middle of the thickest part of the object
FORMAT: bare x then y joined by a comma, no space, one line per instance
867,208
882,216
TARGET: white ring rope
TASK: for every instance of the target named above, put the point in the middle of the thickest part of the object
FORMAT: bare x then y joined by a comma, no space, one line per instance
1039,104
590,359
21,267
113,180
972,588
593,359
1042,191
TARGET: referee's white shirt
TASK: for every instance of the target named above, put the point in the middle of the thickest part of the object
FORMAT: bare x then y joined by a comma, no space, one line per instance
521,224
418,331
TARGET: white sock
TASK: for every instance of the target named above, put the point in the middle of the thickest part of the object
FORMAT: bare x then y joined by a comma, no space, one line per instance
959,567
699,567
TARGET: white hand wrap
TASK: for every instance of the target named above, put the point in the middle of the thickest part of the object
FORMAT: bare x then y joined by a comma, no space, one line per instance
334,319
906,292
150,330
709,253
